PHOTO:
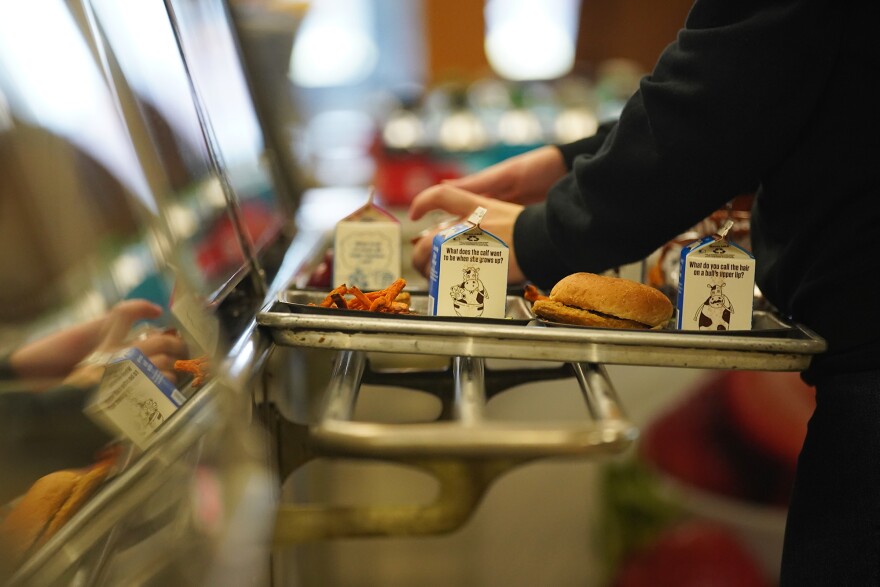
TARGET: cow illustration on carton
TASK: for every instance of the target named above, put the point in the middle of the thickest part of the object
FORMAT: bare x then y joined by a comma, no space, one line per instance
714,313
469,296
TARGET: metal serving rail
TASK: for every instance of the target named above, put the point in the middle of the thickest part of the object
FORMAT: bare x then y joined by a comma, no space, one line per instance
462,449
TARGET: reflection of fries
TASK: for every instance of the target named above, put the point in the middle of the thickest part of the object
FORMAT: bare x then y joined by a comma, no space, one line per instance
391,299
197,367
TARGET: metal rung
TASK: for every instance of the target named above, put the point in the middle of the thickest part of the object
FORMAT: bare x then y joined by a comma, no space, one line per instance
467,433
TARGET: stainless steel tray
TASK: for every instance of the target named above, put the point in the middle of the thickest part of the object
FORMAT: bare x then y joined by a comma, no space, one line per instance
774,344
305,302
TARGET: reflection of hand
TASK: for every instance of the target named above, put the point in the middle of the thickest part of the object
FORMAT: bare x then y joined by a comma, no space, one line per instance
117,324
522,179
161,347
499,220
57,354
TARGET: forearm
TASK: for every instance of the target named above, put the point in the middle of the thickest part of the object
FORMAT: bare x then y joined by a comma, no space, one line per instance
55,354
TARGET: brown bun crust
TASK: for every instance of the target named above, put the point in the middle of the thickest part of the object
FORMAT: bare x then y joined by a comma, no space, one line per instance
557,312
25,523
86,485
46,506
621,303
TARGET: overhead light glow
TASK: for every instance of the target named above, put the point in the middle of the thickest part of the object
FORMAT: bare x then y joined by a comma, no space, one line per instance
527,40
334,45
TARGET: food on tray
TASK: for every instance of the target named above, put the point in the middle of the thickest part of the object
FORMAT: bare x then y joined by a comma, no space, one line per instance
533,294
390,300
587,299
47,505
198,368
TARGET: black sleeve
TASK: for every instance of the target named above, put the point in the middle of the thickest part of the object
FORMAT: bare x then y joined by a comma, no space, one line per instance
586,146
724,103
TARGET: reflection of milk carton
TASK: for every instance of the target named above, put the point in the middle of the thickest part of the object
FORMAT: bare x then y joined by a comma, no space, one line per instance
134,398
716,285
366,249
468,272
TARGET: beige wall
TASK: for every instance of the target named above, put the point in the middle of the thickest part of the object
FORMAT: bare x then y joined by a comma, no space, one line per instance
454,35
635,29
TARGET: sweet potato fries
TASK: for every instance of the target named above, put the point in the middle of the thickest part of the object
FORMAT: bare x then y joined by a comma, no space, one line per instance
390,300
533,294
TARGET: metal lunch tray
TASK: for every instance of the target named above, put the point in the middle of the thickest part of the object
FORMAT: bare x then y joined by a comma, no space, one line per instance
774,344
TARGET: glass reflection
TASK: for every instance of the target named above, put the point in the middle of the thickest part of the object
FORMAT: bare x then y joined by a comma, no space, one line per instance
72,190
84,262
62,91
116,229
214,61
199,119
144,64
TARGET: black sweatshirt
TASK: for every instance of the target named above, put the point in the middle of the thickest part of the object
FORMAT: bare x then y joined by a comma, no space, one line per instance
754,95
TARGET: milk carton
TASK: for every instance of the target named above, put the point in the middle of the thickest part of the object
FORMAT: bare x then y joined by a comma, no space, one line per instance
134,399
366,249
716,285
468,271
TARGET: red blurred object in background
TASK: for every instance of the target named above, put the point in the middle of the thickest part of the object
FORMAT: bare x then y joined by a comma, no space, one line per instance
738,435
322,274
219,252
691,554
401,175
771,411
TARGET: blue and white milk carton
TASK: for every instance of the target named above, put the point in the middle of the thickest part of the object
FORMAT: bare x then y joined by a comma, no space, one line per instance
716,287
134,399
468,271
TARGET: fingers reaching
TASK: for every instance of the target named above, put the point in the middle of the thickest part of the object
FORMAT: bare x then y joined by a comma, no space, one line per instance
163,348
421,252
122,316
491,182
499,220
450,199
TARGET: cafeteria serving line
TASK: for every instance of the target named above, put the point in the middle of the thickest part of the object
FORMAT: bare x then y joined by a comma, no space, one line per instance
218,365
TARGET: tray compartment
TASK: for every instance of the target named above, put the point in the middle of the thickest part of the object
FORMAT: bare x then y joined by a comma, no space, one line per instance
305,302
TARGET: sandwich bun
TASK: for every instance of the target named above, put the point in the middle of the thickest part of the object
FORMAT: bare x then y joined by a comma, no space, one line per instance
46,506
587,299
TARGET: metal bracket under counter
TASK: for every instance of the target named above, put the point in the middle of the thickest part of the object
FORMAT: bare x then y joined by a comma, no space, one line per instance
467,432
463,450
